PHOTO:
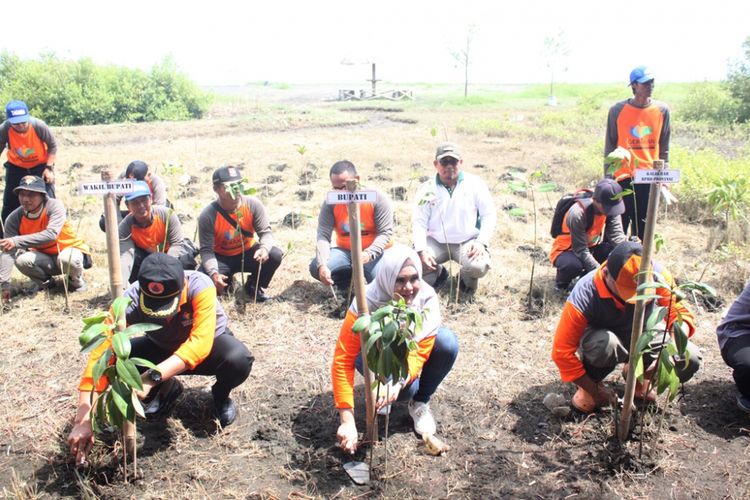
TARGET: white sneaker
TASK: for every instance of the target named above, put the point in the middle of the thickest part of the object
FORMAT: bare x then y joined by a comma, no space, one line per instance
424,422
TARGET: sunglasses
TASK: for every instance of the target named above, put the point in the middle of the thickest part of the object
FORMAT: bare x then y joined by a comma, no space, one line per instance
448,161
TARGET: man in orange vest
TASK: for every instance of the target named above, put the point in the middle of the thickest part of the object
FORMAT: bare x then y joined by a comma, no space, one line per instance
590,230
41,242
333,266
31,151
642,126
227,229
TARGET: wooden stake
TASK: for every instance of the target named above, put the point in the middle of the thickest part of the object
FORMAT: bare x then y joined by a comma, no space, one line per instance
640,305
358,280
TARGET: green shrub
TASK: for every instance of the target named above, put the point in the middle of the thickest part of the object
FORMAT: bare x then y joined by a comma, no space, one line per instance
709,101
79,92
738,81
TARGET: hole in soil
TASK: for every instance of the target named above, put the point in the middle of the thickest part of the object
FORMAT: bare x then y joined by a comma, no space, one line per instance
76,165
381,178
304,194
293,220
306,178
273,179
398,193
410,121
278,167
479,165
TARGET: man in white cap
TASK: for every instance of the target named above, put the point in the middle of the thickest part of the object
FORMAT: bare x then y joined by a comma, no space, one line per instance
31,151
641,126
454,218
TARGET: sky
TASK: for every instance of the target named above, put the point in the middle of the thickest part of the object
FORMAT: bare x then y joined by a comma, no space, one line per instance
220,42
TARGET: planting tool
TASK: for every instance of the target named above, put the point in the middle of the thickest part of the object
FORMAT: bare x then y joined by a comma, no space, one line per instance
359,472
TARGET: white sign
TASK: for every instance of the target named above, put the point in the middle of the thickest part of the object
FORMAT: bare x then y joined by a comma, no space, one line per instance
654,176
118,187
338,197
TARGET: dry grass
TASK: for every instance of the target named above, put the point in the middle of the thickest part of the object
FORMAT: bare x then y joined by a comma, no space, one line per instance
504,441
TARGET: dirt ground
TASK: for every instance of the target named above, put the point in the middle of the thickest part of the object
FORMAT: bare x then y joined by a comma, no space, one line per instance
505,443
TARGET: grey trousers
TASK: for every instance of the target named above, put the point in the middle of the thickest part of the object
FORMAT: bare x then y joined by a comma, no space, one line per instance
40,266
601,351
471,271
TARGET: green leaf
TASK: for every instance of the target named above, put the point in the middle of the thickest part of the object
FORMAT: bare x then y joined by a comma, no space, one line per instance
100,366
638,373
121,345
381,313
128,373
371,341
517,212
642,345
97,318
137,405
114,416
657,316
121,394
362,323
648,296
517,187
92,331
143,362
648,284
680,334
95,342
119,306
546,188
389,332
140,328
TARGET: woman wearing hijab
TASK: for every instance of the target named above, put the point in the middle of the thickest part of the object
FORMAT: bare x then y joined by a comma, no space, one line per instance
399,274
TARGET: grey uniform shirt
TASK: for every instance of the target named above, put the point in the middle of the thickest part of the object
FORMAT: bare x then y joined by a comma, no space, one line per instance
736,322
383,211
207,224
577,221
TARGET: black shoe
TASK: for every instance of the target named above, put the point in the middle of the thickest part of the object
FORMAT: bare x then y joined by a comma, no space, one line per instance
162,399
258,295
226,412
441,279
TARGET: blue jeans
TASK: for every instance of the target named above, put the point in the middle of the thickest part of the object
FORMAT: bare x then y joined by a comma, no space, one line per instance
437,367
340,264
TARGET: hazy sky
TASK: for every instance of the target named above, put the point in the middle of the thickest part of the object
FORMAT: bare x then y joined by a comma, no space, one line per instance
220,42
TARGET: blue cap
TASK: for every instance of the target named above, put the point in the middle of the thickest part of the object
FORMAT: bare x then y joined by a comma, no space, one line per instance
17,112
140,189
641,74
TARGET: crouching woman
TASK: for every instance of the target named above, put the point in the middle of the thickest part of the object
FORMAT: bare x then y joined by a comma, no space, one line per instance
399,274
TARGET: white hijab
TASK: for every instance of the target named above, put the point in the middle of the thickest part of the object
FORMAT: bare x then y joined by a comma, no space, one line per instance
381,289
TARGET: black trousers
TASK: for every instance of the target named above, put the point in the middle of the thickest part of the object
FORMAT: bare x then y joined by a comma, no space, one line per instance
569,266
636,202
230,361
230,264
736,354
13,176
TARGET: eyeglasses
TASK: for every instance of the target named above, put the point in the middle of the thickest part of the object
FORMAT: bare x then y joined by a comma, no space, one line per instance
449,160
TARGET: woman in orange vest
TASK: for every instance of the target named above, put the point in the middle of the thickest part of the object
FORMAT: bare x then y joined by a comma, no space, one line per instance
31,151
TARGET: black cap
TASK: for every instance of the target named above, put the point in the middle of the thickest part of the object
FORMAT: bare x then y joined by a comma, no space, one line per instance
31,183
161,279
226,174
606,192
136,169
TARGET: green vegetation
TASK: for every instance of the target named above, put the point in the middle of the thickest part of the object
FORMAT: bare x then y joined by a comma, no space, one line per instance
63,92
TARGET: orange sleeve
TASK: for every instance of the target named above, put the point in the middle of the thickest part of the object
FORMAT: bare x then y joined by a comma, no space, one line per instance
342,370
87,380
677,309
419,357
198,345
565,344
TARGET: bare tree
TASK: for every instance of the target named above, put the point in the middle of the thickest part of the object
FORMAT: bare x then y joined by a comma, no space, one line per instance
462,56
556,52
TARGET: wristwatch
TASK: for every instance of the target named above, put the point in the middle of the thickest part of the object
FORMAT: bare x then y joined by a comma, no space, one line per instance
154,375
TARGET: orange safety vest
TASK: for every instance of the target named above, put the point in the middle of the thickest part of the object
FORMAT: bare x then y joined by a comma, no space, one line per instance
149,238
227,239
638,131
594,234
26,150
66,238
367,225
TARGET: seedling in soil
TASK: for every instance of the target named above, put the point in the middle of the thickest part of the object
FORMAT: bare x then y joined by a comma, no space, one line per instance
392,330
116,402
522,184
612,163
729,197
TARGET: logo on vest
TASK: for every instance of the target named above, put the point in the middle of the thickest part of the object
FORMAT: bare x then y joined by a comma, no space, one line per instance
640,131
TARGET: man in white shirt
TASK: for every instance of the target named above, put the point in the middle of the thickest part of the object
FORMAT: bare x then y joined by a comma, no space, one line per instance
454,219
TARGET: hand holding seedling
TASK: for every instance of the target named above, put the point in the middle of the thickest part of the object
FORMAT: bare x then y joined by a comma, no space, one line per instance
261,255
366,257
7,244
428,260
324,274
347,432
220,281
81,437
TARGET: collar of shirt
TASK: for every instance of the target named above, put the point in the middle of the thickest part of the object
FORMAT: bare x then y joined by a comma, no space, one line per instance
450,190
603,290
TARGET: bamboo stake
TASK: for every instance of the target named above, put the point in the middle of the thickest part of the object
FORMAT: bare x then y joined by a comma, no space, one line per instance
358,281
640,305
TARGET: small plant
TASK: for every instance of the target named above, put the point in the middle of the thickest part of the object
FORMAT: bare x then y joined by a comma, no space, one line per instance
729,197
116,402
613,162
390,338
520,184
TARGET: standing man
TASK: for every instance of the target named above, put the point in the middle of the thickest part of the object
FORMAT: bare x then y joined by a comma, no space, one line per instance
193,340
640,125
591,228
227,228
148,229
40,240
31,151
593,334
333,266
454,218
